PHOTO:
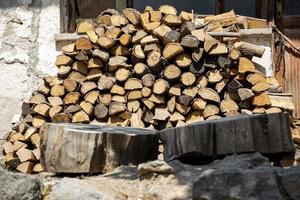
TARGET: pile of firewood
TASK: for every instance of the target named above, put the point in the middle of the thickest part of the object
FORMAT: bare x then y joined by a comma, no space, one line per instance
149,70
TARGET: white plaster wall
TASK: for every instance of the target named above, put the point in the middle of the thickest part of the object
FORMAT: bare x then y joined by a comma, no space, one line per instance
27,52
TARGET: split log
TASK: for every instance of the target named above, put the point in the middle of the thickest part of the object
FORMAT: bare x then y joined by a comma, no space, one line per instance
262,99
105,99
160,87
245,93
172,72
171,37
209,94
228,106
249,49
190,42
210,110
183,60
171,50
245,65
100,111
99,140
187,78
133,84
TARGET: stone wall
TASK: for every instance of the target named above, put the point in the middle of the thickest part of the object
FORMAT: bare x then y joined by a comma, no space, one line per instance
27,51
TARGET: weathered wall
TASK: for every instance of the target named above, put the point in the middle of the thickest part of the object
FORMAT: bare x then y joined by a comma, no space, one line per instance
27,51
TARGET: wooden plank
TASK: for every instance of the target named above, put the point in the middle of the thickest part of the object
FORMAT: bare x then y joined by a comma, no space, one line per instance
70,148
240,134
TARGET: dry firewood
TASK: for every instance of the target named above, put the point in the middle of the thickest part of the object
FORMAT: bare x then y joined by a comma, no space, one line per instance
105,42
57,90
100,30
218,49
209,42
160,86
80,117
154,61
161,31
228,105
137,53
117,89
38,121
199,34
261,86
225,19
133,84
234,54
209,94
171,37
105,99
29,132
161,113
185,99
194,116
199,104
176,116
182,108
119,98
99,53
190,42
106,82
147,116
149,104
262,99
92,36
152,47
94,74
186,28
70,85
122,74
117,61
134,94
72,98
42,109
175,90
171,104
210,110
183,60
171,50
133,106
233,95
37,98
221,85
95,63
63,60
132,15
87,86
80,67
146,92
91,96
172,20
116,107
136,119
150,39
185,16
273,110
254,78
104,19
234,85
158,99
69,50
125,39
54,110
118,20
64,71
72,109
197,54
113,33
249,50
55,101
187,78
83,44
190,91
119,50
100,111
140,69
43,89
245,65
77,76
26,167
60,118
214,76
148,80
140,34
172,72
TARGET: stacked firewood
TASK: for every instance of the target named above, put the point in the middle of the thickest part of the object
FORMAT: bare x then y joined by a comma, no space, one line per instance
154,70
